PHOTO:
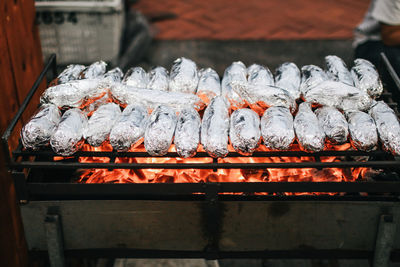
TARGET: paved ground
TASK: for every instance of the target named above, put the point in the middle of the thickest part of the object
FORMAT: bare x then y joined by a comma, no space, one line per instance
255,19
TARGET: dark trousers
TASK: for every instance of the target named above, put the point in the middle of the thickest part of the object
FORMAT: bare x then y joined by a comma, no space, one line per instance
371,50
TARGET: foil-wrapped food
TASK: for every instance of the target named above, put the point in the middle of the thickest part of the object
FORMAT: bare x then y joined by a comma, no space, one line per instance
126,95
160,131
288,77
310,135
337,70
362,130
366,77
209,85
38,131
259,75
183,76
113,76
277,128
70,73
387,125
234,82
187,133
244,131
68,137
129,129
158,79
334,124
215,127
136,77
311,76
95,70
101,123
338,95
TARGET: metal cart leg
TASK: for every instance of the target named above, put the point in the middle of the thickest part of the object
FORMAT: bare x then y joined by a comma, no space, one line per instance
54,240
384,241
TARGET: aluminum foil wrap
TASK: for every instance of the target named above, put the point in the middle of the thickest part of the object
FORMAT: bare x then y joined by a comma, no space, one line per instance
260,97
160,131
244,131
277,128
337,70
95,70
338,95
311,76
101,123
68,137
362,130
234,82
129,129
136,77
127,95
259,75
334,124
158,79
209,85
215,127
310,135
72,94
70,73
387,125
113,76
37,132
366,77
288,77
187,133
183,77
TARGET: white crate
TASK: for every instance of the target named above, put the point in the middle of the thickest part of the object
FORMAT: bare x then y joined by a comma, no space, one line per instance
80,31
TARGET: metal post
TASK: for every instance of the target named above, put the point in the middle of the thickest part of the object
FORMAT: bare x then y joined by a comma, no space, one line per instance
384,241
54,240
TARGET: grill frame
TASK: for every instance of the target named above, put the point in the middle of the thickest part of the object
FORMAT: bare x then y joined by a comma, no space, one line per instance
21,166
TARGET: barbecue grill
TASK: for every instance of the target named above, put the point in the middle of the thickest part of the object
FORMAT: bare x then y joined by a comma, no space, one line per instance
211,220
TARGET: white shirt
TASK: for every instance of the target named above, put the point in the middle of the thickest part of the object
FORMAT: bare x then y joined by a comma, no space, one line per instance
380,11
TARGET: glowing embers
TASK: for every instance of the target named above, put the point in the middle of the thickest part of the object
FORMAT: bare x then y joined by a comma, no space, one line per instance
218,175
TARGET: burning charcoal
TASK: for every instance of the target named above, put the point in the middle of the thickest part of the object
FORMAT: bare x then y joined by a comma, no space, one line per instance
362,130
366,77
234,82
259,75
261,97
160,131
288,77
127,95
70,73
338,95
309,133
187,133
244,131
113,76
72,94
277,128
37,132
101,123
311,76
334,124
129,129
136,77
387,125
183,76
215,127
209,85
159,79
337,70
95,70
68,137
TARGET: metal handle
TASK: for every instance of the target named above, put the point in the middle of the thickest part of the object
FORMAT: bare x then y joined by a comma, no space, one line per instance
51,63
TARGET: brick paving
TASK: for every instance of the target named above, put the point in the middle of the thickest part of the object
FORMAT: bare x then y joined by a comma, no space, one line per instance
255,19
